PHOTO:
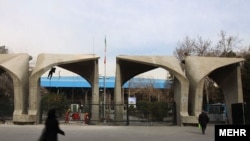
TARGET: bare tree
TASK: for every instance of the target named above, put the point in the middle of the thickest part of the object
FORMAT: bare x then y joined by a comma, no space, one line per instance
6,89
202,47
144,89
184,48
192,47
227,45
6,85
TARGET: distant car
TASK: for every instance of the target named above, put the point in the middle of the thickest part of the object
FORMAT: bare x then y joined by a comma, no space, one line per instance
217,112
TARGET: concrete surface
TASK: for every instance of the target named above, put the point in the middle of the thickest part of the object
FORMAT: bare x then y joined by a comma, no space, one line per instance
80,132
188,85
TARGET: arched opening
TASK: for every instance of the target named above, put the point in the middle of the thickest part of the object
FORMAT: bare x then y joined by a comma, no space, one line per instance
6,97
224,79
84,65
130,66
149,100
65,91
213,101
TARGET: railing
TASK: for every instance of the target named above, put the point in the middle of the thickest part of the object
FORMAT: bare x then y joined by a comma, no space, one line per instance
131,116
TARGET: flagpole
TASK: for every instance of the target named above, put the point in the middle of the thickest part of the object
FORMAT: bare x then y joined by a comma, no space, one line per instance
93,46
104,81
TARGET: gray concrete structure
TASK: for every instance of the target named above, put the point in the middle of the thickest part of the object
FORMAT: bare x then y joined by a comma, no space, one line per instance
189,82
224,71
129,66
17,66
27,88
82,64
188,85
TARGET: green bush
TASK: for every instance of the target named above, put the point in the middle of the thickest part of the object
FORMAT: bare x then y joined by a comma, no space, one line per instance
54,100
144,107
154,110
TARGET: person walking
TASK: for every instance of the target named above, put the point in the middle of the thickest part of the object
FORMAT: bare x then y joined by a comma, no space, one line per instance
67,116
203,121
51,128
86,118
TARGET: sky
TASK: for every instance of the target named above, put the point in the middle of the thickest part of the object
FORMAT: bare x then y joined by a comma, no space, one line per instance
131,27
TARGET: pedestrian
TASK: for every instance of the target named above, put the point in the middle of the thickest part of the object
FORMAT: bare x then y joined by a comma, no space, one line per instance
51,127
67,116
203,121
86,118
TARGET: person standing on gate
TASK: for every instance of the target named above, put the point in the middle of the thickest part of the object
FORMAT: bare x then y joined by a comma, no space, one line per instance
203,121
52,70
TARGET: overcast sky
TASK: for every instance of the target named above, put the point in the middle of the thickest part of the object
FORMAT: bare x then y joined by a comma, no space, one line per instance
131,27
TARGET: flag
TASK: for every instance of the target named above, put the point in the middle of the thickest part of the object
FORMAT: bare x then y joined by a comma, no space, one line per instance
105,60
105,42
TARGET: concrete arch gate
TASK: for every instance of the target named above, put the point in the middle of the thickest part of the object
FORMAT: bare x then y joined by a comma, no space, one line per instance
27,95
224,71
130,66
188,85
17,66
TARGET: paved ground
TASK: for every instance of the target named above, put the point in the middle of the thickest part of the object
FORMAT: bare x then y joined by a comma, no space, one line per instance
80,132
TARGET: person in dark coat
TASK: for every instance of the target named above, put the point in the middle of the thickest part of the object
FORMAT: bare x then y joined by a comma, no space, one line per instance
51,127
52,70
203,121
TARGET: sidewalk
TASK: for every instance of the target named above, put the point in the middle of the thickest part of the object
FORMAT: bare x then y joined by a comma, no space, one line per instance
77,132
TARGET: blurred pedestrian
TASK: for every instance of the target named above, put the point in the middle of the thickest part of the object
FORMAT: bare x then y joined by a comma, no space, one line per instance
203,121
67,116
86,118
51,127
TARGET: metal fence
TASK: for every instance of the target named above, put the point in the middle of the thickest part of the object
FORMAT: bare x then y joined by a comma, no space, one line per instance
132,115
6,112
